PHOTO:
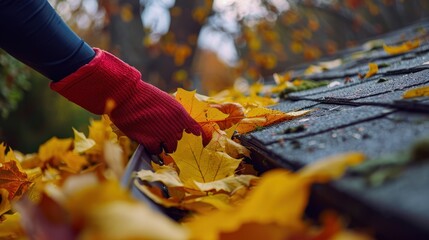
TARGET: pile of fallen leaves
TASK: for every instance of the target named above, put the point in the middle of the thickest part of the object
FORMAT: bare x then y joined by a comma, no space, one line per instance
70,188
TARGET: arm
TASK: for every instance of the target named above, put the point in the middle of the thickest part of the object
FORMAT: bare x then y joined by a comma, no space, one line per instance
37,36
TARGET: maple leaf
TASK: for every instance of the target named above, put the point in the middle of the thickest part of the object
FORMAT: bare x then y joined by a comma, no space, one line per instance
221,141
235,113
74,162
200,111
200,164
54,148
101,131
13,180
228,184
9,156
4,201
277,202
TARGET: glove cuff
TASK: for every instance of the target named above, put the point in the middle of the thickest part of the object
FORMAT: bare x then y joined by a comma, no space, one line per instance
104,77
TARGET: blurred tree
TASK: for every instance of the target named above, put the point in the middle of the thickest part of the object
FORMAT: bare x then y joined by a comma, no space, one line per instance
14,80
305,30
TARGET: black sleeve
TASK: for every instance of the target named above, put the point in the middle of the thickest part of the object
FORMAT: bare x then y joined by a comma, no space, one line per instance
32,32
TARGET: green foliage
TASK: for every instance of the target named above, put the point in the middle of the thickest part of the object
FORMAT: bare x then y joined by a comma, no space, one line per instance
41,114
14,80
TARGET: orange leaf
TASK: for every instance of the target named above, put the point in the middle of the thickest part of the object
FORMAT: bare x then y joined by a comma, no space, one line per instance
403,48
260,117
373,69
416,92
13,180
235,113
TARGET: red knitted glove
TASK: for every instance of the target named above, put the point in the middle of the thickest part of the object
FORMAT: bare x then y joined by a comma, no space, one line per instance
143,112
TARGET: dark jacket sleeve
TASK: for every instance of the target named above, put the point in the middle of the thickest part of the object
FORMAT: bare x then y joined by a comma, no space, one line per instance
32,32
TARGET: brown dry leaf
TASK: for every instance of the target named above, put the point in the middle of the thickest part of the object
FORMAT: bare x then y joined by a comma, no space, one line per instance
373,69
13,180
416,92
403,48
4,202
200,164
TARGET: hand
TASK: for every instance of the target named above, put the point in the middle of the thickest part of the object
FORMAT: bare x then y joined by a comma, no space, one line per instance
143,112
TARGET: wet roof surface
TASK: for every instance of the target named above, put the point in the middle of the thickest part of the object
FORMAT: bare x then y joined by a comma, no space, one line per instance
365,115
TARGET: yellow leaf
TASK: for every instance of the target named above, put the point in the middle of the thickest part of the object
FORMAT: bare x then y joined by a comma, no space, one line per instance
101,131
164,174
112,153
282,78
221,141
403,48
201,164
74,162
2,152
331,167
277,202
280,199
81,143
416,92
228,184
199,110
373,69
10,228
127,13
157,197
54,148
207,203
131,221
